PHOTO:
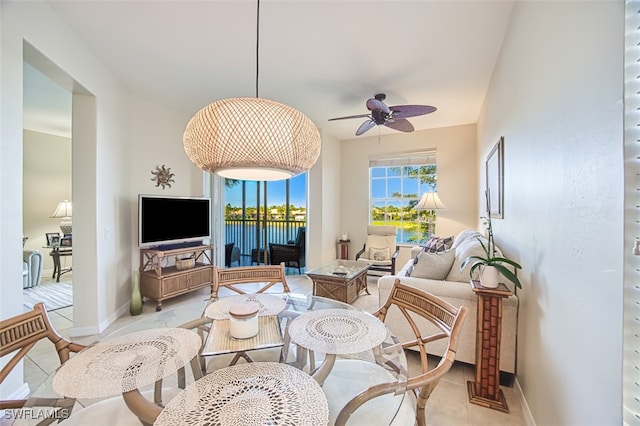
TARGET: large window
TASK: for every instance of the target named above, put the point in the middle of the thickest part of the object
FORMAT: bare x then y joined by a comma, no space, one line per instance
396,185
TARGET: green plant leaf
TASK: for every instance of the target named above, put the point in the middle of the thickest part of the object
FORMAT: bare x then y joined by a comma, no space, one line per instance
480,260
499,260
508,274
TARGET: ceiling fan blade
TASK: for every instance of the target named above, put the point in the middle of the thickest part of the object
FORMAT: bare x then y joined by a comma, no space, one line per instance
404,111
377,105
365,126
400,124
350,116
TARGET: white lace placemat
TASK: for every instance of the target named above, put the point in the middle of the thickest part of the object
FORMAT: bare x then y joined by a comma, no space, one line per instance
269,305
253,394
337,331
126,363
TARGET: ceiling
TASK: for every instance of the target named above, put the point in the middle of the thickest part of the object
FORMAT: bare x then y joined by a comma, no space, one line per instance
325,58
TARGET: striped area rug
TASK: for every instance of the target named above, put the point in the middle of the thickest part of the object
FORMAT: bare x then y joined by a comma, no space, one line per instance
54,296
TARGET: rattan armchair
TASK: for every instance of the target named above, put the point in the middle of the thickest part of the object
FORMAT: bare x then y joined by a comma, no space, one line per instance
411,302
19,334
380,250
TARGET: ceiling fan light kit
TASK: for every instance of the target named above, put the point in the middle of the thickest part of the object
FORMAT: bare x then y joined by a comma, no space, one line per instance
394,117
252,138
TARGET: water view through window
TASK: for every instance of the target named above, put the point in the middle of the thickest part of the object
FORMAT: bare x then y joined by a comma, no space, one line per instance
245,223
395,190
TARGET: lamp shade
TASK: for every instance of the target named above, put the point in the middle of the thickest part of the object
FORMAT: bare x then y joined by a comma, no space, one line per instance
430,201
64,209
252,139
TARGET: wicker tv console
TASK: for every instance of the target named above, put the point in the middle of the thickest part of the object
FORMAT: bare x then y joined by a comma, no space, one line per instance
161,280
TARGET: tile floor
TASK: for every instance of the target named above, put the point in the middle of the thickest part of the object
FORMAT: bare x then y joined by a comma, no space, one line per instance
448,404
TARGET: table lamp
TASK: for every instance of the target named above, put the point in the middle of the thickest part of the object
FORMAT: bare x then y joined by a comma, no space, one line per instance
64,211
430,201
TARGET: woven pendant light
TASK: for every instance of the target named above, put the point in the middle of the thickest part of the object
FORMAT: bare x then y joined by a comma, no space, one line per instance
252,138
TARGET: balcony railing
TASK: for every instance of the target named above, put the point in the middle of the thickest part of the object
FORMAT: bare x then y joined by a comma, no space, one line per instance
249,233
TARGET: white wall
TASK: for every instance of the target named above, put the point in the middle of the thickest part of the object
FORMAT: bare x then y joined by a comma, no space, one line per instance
556,96
457,178
47,181
157,141
101,140
323,204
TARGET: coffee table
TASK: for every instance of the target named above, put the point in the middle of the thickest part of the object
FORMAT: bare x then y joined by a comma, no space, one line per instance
341,280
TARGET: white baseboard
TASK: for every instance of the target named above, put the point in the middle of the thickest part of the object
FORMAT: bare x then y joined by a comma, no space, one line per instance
89,331
526,412
22,392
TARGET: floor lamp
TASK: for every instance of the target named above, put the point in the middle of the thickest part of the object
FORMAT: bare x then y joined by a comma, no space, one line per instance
430,201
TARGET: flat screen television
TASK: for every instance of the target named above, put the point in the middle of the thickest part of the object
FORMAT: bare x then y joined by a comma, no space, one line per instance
172,222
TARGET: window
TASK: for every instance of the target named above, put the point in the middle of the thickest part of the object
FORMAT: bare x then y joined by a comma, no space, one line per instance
396,185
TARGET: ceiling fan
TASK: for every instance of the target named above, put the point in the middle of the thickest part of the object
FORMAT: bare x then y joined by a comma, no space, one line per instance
394,117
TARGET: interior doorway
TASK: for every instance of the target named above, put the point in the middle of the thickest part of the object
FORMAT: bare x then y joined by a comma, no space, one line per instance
47,184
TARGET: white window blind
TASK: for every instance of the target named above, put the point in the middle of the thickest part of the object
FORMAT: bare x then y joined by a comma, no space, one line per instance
412,159
631,367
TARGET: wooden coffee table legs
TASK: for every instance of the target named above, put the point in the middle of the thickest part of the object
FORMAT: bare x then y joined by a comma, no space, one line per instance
338,288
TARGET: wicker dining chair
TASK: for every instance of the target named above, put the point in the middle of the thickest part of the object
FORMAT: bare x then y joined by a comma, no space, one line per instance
265,276
448,319
19,334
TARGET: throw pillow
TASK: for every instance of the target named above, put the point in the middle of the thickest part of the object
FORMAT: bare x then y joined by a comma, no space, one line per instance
379,254
436,244
409,271
433,266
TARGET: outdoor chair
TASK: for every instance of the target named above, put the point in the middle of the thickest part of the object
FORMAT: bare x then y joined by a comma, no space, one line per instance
413,302
380,250
19,334
292,253
231,254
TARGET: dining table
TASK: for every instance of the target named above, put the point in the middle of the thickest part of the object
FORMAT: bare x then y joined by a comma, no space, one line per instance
368,354
345,349
124,364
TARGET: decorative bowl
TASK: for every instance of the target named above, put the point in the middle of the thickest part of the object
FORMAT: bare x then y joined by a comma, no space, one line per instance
185,263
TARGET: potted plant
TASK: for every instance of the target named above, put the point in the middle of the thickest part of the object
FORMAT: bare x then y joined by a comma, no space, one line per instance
490,265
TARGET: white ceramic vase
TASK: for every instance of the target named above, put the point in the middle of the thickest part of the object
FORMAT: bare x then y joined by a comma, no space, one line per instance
489,276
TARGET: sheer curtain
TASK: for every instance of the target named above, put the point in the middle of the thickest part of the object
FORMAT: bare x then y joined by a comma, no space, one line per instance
631,373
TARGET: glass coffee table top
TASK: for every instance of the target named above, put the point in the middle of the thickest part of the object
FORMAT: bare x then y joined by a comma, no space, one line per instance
340,268
260,393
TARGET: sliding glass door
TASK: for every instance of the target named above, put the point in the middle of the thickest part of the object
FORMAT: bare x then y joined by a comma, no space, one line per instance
259,213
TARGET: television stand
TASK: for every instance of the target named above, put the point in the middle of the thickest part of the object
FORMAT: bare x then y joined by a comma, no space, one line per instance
161,280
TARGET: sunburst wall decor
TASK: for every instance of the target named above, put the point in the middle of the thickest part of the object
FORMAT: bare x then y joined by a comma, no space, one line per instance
163,176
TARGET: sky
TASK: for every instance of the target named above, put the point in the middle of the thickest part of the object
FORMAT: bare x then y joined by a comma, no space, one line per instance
275,192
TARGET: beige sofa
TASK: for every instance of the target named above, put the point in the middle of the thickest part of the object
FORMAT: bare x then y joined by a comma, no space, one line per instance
455,289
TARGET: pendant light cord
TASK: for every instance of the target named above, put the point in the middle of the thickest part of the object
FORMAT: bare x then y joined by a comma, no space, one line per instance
257,45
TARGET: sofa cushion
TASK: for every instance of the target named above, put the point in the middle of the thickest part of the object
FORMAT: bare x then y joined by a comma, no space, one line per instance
466,235
469,247
433,266
436,244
